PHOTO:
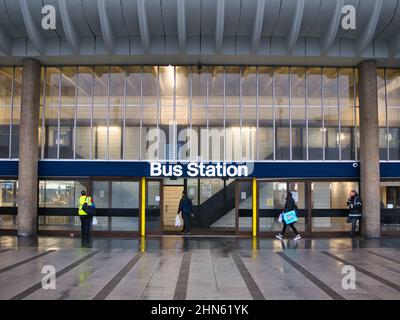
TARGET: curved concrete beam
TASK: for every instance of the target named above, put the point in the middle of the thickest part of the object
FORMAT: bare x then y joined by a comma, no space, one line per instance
219,25
143,25
364,40
293,35
31,28
69,29
329,37
258,24
106,29
181,19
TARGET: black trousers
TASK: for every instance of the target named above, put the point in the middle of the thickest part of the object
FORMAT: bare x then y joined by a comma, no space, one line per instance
86,225
354,224
186,222
291,226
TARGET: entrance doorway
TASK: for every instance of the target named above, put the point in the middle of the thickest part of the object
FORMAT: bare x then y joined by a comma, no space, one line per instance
171,196
220,207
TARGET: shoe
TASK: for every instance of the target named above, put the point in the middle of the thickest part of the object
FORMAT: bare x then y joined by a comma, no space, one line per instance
279,236
298,237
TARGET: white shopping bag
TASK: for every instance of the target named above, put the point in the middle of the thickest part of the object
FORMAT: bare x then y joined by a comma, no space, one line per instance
94,222
280,217
178,221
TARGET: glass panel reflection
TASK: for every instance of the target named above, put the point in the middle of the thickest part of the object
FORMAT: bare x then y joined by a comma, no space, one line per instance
209,113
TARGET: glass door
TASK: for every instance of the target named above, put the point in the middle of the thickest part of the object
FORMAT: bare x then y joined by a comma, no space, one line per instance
390,206
271,201
244,206
328,206
117,203
101,193
171,197
153,207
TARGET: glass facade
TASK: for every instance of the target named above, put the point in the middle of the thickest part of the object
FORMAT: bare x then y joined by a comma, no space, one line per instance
117,204
272,198
328,200
221,113
390,205
214,113
10,104
8,200
63,196
389,113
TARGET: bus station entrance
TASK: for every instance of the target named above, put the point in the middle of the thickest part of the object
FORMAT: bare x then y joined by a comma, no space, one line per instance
247,206
220,206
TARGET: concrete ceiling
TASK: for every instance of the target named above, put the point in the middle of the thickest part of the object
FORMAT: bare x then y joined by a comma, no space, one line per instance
249,32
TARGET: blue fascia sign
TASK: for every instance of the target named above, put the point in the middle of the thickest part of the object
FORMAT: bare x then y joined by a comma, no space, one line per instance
188,169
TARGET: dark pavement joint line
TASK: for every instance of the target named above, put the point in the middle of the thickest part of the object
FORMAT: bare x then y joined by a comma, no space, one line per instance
252,286
4,250
38,285
366,272
20,263
183,278
383,256
321,285
111,285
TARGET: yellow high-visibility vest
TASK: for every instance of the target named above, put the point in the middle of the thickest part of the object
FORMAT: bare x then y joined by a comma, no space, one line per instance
82,201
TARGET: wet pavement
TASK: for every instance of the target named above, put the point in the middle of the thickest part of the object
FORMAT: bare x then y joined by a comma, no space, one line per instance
204,268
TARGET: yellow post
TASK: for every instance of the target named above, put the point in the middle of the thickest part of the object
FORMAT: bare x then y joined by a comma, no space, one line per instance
143,244
254,207
143,209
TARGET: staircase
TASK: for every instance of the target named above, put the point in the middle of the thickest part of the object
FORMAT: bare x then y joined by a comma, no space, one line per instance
217,206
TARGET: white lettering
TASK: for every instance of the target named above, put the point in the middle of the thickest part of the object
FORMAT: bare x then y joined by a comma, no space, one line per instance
178,171
231,171
155,169
161,310
49,20
192,170
198,169
349,280
349,20
49,280
243,171
210,172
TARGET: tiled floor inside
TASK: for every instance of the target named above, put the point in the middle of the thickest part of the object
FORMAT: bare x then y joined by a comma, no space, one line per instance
206,268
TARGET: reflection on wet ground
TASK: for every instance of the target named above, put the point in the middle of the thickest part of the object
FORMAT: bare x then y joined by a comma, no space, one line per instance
173,267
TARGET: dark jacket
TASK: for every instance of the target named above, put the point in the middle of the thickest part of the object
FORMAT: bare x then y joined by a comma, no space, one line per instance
185,205
355,205
290,205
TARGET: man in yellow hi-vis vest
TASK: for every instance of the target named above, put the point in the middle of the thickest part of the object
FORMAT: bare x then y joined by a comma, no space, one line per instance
86,218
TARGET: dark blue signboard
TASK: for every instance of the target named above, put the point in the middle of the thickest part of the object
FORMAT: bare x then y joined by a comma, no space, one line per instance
87,168
195,170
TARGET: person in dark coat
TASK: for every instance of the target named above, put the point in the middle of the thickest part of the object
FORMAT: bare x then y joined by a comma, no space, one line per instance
290,205
186,208
355,211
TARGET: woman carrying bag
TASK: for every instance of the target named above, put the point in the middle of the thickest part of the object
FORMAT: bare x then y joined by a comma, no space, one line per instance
289,217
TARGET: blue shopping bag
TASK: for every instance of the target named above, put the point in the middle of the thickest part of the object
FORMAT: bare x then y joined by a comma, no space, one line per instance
290,217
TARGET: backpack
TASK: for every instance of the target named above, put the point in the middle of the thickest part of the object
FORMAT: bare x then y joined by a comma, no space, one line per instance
90,210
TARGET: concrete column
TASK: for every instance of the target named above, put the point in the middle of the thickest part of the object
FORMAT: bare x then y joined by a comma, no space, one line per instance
28,149
369,149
